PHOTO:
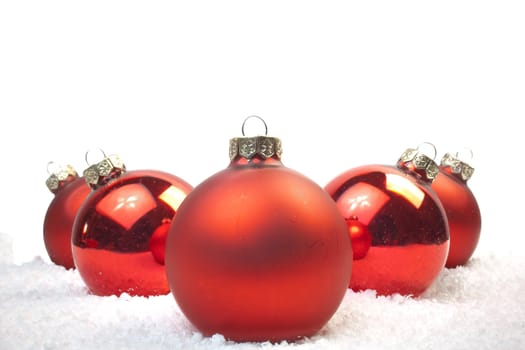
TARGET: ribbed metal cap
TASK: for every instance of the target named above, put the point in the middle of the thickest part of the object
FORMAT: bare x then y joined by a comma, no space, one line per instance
257,146
419,163
103,172
60,177
452,164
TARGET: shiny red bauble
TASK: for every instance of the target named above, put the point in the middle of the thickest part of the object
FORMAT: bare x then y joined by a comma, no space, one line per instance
397,224
119,233
70,191
463,213
258,252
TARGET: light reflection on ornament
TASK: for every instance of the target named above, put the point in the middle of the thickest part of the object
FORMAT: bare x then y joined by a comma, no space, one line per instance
173,197
405,188
126,204
362,201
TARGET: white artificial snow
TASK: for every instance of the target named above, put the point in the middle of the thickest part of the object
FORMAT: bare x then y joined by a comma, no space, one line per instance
479,306
6,249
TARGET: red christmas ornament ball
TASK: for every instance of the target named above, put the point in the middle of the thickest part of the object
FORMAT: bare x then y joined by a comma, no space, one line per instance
119,233
258,252
70,191
461,207
397,225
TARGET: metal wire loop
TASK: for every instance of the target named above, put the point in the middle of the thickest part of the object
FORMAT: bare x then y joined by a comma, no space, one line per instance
461,156
254,116
53,167
90,151
428,144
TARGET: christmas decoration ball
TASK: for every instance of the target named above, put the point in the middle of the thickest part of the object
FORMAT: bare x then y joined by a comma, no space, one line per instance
258,252
397,225
461,207
69,191
119,234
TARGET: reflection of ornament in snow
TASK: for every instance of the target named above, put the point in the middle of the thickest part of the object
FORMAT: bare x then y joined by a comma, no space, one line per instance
258,251
119,233
398,227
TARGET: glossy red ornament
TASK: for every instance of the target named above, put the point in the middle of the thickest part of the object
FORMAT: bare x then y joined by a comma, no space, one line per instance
463,214
396,222
70,191
119,233
258,252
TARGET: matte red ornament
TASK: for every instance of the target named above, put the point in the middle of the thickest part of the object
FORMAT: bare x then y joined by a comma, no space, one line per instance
258,252
461,207
396,222
119,233
70,191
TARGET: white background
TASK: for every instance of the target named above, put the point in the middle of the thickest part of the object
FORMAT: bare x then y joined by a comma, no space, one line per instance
166,84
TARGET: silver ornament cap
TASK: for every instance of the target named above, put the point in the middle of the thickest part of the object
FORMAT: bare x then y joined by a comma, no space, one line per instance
60,177
453,165
419,163
263,147
103,172
260,146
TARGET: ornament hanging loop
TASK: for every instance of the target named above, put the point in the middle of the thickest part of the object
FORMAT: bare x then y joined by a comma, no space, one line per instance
253,147
254,116
462,155
53,168
90,152
428,145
